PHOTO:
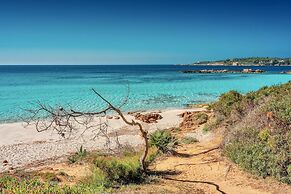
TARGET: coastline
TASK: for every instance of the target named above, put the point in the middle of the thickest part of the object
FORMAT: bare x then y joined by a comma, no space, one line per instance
217,64
22,146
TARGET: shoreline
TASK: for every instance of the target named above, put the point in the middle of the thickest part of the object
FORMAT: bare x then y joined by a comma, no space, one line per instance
22,146
186,106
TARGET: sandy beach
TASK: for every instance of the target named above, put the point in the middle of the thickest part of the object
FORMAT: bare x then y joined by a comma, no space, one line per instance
22,145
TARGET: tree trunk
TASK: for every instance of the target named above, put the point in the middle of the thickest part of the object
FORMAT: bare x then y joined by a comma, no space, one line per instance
144,135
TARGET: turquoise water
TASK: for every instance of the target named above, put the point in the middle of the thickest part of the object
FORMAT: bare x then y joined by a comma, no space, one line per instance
151,87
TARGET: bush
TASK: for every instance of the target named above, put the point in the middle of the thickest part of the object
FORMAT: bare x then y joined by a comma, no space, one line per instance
108,171
200,118
261,153
258,130
9,184
211,125
233,106
124,169
226,103
78,156
281,108
119,171
163,141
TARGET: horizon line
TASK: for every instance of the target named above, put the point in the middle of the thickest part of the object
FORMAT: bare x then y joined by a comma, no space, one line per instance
82,64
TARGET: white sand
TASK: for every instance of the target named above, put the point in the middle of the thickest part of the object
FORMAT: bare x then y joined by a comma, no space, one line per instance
21,145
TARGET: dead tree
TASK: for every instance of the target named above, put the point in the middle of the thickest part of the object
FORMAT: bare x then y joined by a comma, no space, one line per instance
67,121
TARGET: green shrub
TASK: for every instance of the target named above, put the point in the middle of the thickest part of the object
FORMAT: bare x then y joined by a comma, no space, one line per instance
258,130
163,140
108,171
226,103
233,106
9,184
261,153
200,118
114,170
119,170
78,156
281,109
211,125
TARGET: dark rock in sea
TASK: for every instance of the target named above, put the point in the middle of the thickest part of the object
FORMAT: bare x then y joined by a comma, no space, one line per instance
224,71
286,72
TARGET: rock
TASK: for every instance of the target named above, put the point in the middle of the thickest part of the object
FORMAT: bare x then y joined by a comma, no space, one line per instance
247,71
286,72
191,120
132,113
149,117
117,117
109,117
184,114
259,71
152,120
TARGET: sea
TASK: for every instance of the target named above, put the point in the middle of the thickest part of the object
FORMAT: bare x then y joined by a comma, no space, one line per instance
145,87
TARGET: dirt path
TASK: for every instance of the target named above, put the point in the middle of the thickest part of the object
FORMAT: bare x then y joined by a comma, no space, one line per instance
200,168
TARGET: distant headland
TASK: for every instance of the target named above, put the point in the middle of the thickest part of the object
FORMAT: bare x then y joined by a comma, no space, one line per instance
249,61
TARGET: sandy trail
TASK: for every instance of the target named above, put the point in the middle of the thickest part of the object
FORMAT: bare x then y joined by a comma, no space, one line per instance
200,169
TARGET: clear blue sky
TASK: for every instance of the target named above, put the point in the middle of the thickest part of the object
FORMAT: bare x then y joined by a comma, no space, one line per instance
141,31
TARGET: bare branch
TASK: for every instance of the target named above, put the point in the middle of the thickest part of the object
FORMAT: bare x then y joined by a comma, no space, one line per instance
67,121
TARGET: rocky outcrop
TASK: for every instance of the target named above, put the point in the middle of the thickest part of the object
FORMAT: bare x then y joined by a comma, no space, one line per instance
252,71
224,71
148,117
191,120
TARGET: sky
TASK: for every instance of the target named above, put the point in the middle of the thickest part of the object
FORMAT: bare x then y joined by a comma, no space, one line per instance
141,31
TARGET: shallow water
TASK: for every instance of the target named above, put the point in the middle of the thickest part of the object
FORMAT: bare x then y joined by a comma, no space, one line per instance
151,86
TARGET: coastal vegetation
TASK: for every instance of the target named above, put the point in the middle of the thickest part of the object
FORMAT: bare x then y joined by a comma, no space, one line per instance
164,141
258,132
248,61
106,173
